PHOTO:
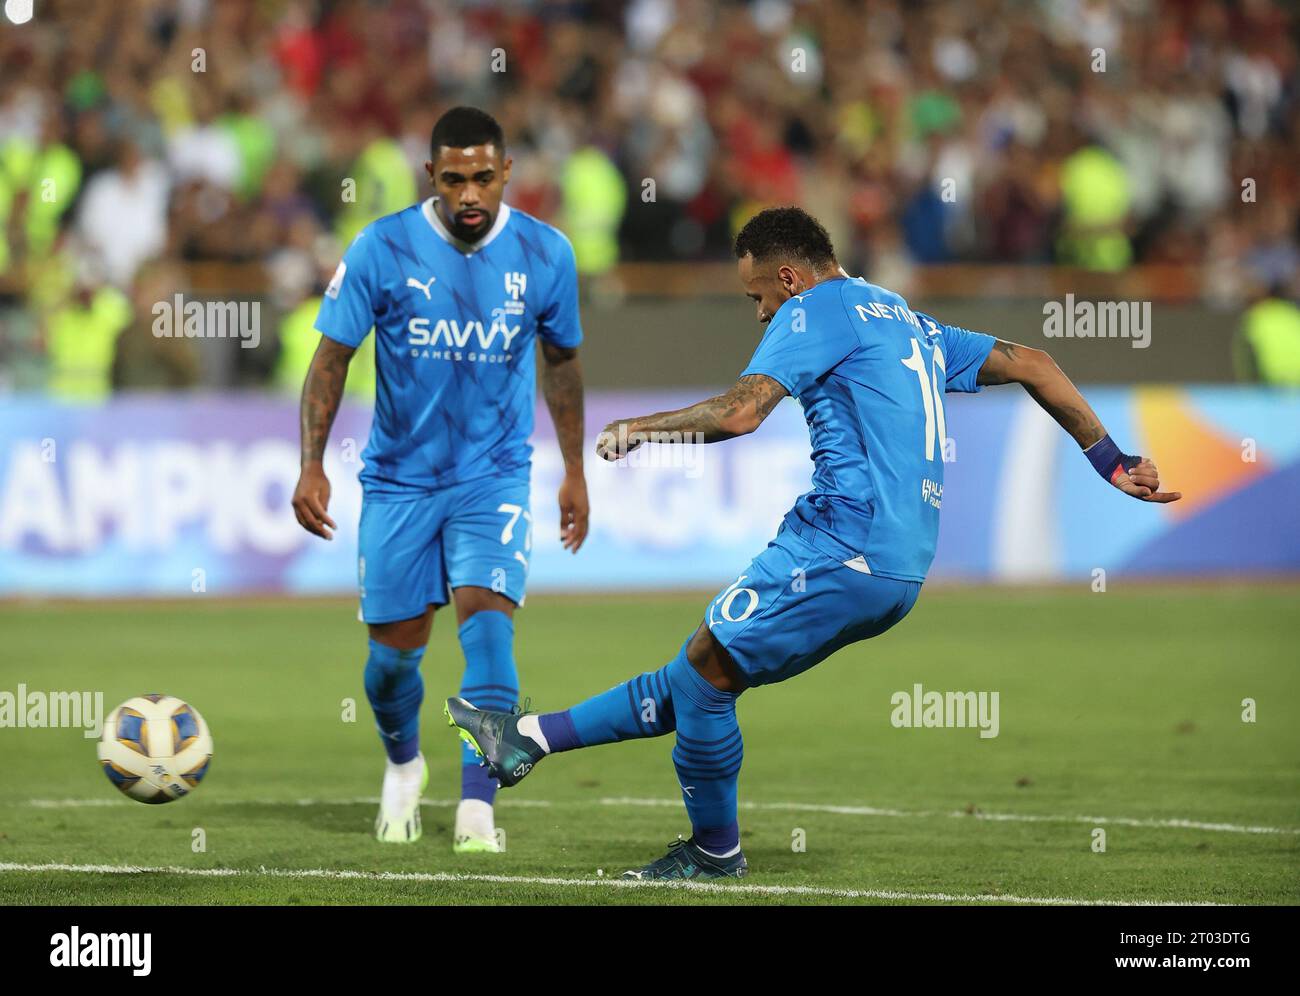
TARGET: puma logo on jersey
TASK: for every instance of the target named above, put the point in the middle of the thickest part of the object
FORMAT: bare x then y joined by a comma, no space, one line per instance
412,282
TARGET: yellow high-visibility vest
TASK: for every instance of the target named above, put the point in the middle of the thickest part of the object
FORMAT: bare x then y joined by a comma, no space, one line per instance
51,177
384,183
1272,327
81,343
1095,190
594,198
298,342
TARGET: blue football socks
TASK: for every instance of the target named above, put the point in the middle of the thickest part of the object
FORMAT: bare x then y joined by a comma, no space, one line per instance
490,682
395,689
640,707
707,756
709,748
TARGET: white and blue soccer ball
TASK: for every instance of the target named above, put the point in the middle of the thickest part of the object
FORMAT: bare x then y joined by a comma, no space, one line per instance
155,748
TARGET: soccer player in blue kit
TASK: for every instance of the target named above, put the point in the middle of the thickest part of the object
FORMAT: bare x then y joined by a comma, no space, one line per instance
459,290
870,375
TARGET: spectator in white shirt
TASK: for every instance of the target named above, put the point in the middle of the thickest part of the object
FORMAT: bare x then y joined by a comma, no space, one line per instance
123,214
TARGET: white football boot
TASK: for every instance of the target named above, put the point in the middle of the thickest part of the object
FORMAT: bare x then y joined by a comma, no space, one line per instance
475,831
398,821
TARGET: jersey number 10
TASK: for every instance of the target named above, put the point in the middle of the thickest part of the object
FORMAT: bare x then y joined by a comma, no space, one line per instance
931,383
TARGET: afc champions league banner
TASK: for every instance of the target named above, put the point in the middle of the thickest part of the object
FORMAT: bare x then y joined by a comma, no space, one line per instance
169,496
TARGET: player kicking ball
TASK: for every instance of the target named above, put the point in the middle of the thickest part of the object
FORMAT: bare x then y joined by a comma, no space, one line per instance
870,374
459,290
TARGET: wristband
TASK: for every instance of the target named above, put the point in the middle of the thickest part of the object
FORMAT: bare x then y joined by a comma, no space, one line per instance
1109,460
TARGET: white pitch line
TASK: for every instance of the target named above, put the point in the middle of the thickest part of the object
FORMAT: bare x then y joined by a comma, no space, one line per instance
609,883
1128,821
796,807
353,801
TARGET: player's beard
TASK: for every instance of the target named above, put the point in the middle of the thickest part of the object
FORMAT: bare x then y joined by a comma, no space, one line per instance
471,233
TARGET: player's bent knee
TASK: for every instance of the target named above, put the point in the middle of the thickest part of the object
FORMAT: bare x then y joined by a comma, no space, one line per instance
472,599
404,634
714,664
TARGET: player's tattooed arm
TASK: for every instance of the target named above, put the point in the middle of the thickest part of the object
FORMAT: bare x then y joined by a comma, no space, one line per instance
562,389
1047,384
321,394
1037,372
739,411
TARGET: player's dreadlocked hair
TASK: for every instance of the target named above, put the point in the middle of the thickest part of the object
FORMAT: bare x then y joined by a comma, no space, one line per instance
462,127
786,233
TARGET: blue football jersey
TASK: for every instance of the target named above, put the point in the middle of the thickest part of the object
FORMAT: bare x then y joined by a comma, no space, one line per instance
456,325
870,374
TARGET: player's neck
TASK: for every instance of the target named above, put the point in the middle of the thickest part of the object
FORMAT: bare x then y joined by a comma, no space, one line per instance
429,209
832,272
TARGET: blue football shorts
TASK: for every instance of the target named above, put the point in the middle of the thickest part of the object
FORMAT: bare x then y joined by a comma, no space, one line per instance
794,606
413,550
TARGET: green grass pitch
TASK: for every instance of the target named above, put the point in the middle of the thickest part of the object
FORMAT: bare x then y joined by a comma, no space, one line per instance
1120,711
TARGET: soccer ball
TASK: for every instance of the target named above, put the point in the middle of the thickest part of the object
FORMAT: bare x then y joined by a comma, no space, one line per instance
155,748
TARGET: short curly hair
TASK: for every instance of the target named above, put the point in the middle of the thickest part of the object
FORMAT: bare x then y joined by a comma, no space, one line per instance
785,233
462,127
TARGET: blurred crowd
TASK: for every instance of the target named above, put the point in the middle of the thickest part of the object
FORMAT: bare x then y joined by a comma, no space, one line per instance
149,147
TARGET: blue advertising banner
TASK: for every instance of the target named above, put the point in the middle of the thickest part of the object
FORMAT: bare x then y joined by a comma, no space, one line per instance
167,495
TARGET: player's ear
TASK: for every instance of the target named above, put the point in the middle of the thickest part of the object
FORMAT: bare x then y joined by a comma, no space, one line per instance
428,168
789,280
505,171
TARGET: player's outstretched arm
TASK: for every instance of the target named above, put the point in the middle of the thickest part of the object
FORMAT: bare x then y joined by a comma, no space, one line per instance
321,394
562,388
739,411
1038,373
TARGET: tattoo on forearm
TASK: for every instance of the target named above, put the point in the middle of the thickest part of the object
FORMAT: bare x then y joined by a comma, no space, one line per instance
710,420
562,389
1047,384
1074,415
321,395
1081,422
704,417
763,392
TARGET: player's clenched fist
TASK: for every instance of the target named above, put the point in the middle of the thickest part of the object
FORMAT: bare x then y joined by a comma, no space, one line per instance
574,511
310,500
1134,475
1143,481
617,440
